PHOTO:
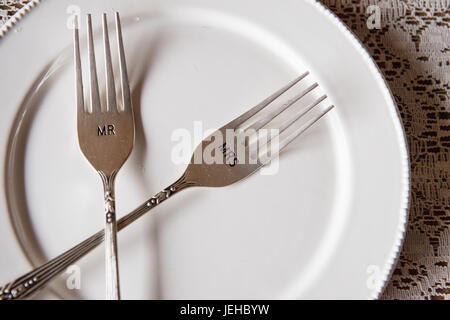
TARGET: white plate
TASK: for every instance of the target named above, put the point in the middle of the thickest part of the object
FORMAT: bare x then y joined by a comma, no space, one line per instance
328,225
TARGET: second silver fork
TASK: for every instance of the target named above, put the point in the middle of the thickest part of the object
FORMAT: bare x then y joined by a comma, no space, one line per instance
105,134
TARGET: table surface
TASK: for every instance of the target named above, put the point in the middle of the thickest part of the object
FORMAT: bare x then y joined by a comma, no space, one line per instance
410,43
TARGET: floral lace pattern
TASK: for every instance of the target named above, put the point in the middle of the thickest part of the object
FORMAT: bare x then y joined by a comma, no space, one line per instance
410,43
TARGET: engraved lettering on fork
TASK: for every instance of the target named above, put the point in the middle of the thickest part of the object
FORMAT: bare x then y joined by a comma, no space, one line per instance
107,130
230,156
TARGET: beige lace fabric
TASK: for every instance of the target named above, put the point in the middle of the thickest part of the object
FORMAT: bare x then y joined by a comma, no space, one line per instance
410,42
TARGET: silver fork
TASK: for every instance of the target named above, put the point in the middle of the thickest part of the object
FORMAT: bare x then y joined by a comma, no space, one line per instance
105,135
197,174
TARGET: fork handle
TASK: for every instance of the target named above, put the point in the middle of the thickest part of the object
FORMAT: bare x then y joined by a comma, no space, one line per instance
35,280
111,259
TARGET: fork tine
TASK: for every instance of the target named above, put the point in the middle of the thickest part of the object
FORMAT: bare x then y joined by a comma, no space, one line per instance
247,115
269,117
78,73
94,93
288,123
111,104
304,127
126,97
293,135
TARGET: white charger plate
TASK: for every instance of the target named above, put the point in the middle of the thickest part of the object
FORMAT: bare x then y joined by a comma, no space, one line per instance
328,225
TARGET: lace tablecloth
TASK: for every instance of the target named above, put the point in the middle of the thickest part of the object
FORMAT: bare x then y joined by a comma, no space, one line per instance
410,41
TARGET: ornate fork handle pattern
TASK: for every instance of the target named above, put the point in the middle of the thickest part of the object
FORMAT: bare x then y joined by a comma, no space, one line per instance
110,201
112,265
37,279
